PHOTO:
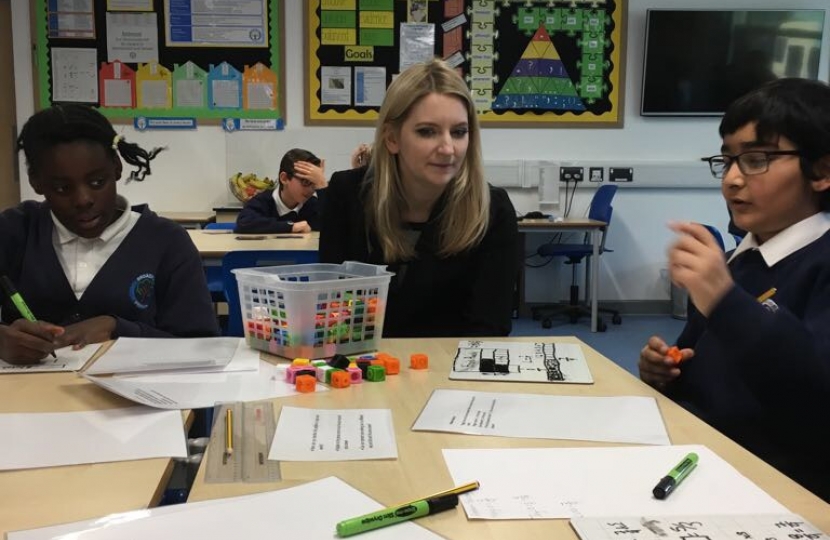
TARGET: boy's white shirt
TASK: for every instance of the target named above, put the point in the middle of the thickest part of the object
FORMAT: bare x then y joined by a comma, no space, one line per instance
282,208
82,258
788,241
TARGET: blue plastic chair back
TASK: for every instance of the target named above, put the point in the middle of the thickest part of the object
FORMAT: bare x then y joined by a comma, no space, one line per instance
716,233
601,203
223,226
253,259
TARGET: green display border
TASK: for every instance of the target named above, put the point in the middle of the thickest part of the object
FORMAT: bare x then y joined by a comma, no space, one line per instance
43,82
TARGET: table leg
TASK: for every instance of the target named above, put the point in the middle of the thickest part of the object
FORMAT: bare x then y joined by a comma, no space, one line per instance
595,240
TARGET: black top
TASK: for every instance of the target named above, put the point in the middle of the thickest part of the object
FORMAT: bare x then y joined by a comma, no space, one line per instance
468,294
260,215
153,284
762,377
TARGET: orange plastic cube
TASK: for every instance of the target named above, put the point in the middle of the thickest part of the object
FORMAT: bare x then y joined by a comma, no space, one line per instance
305,383
340,379
378,361
393,365
418,361
675,354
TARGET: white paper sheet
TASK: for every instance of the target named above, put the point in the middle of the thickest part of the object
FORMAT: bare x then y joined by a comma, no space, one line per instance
67,360
35,440
132,37
333,435
135,355
264,516
520,362
549,483
732,527
606,419
74,74
198,390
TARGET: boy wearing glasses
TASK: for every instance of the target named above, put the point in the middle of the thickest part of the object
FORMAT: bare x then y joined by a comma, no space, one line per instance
754,357
292,207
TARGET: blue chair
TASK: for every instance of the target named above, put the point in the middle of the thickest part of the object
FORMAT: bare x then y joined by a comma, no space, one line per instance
253,259
213,274
600,210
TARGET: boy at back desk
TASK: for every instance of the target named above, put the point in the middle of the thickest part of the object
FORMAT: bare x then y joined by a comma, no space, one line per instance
755,353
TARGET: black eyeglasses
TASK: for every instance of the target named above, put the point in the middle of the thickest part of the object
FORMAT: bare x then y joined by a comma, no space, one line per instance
751,162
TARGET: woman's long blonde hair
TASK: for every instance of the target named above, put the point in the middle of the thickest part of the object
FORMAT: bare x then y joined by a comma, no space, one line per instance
465,216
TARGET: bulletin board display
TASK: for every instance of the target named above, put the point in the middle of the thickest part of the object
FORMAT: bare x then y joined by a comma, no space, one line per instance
162,58
528,63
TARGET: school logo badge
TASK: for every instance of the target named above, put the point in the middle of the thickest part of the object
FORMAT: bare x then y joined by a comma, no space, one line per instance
141,290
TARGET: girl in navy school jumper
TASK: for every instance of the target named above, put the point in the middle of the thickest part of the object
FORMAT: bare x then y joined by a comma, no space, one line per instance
292,207
89,267
423,207
758,370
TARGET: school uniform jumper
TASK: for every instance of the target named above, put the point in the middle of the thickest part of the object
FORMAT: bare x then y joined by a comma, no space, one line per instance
468,294
260,215
761,372
153,284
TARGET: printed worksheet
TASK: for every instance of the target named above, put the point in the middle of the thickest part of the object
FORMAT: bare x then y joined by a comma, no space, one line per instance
333,435
624,419
136,355
67,360
520,362
734,527
554,483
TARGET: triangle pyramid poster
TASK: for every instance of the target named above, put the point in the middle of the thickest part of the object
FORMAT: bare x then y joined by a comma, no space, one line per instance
539,80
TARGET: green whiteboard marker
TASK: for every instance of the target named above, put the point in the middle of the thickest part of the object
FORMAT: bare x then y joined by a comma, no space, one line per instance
675,476
17,300
399,514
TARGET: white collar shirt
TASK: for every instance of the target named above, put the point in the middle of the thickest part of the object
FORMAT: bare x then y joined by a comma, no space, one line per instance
282,208
788,241
82,258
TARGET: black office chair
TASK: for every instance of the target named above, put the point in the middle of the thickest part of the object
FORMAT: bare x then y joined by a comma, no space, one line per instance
600,210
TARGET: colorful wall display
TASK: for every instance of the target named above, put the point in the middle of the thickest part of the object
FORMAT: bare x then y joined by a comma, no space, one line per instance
163,58
528,63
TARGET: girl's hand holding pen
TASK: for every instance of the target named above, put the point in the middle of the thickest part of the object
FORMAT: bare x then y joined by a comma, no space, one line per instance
697,263
26,342
656,367
94,330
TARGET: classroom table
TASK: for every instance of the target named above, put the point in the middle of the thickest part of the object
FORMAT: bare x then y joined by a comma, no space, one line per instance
567,225
213,244
48,496
420,469
227,213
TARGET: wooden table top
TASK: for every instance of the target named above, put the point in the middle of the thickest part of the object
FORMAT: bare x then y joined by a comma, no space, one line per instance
420,469
215,243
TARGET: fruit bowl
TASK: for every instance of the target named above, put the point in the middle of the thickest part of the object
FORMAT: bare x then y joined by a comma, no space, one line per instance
246,186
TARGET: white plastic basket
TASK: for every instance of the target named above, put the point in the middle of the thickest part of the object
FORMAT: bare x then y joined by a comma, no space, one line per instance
313,310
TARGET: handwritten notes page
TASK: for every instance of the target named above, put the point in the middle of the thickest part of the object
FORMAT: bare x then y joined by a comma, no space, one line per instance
264,516
605,419
734,527
520,362
550,483
67,360
333,435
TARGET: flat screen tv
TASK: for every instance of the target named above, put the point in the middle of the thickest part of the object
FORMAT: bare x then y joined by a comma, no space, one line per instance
698,61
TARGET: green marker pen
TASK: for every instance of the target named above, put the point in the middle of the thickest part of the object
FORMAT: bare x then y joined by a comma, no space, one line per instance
667,484
391,516
17,300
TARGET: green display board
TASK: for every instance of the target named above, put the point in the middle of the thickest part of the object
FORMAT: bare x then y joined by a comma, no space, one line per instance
162,58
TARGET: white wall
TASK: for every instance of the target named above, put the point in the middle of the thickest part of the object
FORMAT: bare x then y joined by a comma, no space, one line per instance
192,176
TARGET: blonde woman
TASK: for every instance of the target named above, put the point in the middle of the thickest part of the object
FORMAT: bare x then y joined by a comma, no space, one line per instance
423,208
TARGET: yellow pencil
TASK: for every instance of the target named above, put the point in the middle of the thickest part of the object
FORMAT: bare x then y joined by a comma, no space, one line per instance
767,295
452,491
228,432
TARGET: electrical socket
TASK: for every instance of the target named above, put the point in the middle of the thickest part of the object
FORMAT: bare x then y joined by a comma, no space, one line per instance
596,174
571,174
621,174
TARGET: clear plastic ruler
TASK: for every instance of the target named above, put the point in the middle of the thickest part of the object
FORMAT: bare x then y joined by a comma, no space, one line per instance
252,430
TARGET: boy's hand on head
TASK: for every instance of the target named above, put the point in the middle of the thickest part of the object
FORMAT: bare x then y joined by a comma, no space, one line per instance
312,173
657,369
697,263
25,342
94,330
301,227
